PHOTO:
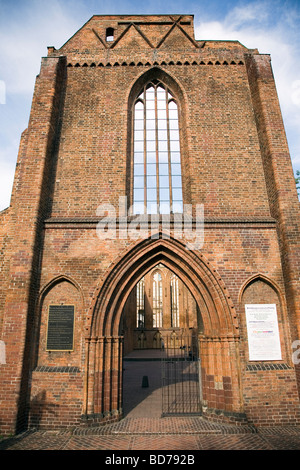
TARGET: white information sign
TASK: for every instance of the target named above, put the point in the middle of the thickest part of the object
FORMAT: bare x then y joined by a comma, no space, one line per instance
2,353
263,332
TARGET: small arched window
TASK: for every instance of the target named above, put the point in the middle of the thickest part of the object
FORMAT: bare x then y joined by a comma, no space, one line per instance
140,303
157,300
174,291
110,34
157,185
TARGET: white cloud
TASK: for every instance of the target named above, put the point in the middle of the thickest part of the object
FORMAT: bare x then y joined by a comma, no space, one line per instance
273,29
27,28
7,178
296,92
25,40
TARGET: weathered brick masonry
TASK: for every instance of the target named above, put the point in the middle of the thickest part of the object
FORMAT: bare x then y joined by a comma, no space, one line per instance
76,154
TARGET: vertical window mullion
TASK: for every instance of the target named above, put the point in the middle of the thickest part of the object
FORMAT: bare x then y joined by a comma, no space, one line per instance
157,156
160,301
161,151
169,152
140,303
133,159
145,152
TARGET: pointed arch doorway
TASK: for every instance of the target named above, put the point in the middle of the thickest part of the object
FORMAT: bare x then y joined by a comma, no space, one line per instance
161,356
217,334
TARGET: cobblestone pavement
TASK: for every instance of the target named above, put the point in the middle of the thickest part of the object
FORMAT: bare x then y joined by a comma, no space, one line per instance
144,429
165,434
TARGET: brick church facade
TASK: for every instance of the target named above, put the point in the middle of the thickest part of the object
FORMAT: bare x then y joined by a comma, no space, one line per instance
153,197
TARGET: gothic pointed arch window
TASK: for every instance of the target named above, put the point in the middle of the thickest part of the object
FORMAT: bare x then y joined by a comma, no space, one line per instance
109,34
140,303
157,185
174,295
157,294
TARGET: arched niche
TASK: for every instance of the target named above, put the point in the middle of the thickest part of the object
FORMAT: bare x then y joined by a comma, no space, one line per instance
155,74
205,285
259,289
61,291
218,344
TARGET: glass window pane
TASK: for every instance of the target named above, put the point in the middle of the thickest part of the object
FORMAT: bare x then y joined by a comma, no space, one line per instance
164,181
152,207
151,169
161,93
138,146
173,114
162,114
151,146
174,135
177,194
139,135
163,157
162,135
150,114
161,105
139,114
176,169
139,106
138,194
175,157
173,124
139,124
138,170
150,135
176,182
139,182
163,146
150,105
177,206
138,208
174,146
150,124
150,93
163,169
151,157
164,194
139,157
164,207
162,124
151,181
151,194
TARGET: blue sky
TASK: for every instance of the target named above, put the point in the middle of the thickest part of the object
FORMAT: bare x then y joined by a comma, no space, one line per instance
27,27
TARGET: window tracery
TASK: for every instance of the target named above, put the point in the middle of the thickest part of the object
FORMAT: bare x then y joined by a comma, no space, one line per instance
157,184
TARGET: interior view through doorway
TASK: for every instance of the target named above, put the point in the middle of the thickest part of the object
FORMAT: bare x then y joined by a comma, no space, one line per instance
161,367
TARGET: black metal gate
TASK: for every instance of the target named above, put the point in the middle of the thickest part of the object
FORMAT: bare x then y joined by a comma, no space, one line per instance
180,376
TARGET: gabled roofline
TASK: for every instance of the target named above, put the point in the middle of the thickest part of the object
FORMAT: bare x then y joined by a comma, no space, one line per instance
122,16
76,32
151,15
222,40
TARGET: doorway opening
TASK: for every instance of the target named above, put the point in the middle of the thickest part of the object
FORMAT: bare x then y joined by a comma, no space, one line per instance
161,369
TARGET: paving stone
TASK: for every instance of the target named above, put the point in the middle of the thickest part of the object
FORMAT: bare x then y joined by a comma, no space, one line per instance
166,434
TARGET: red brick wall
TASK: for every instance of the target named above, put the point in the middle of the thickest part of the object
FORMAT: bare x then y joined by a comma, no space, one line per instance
76,155
223,118
270,389
30,202
4,238
282,194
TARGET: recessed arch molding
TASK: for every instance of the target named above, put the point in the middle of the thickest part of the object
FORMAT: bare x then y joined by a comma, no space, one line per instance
218,341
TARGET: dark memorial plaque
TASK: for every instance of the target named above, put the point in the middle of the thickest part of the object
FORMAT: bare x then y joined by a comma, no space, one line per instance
60,328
